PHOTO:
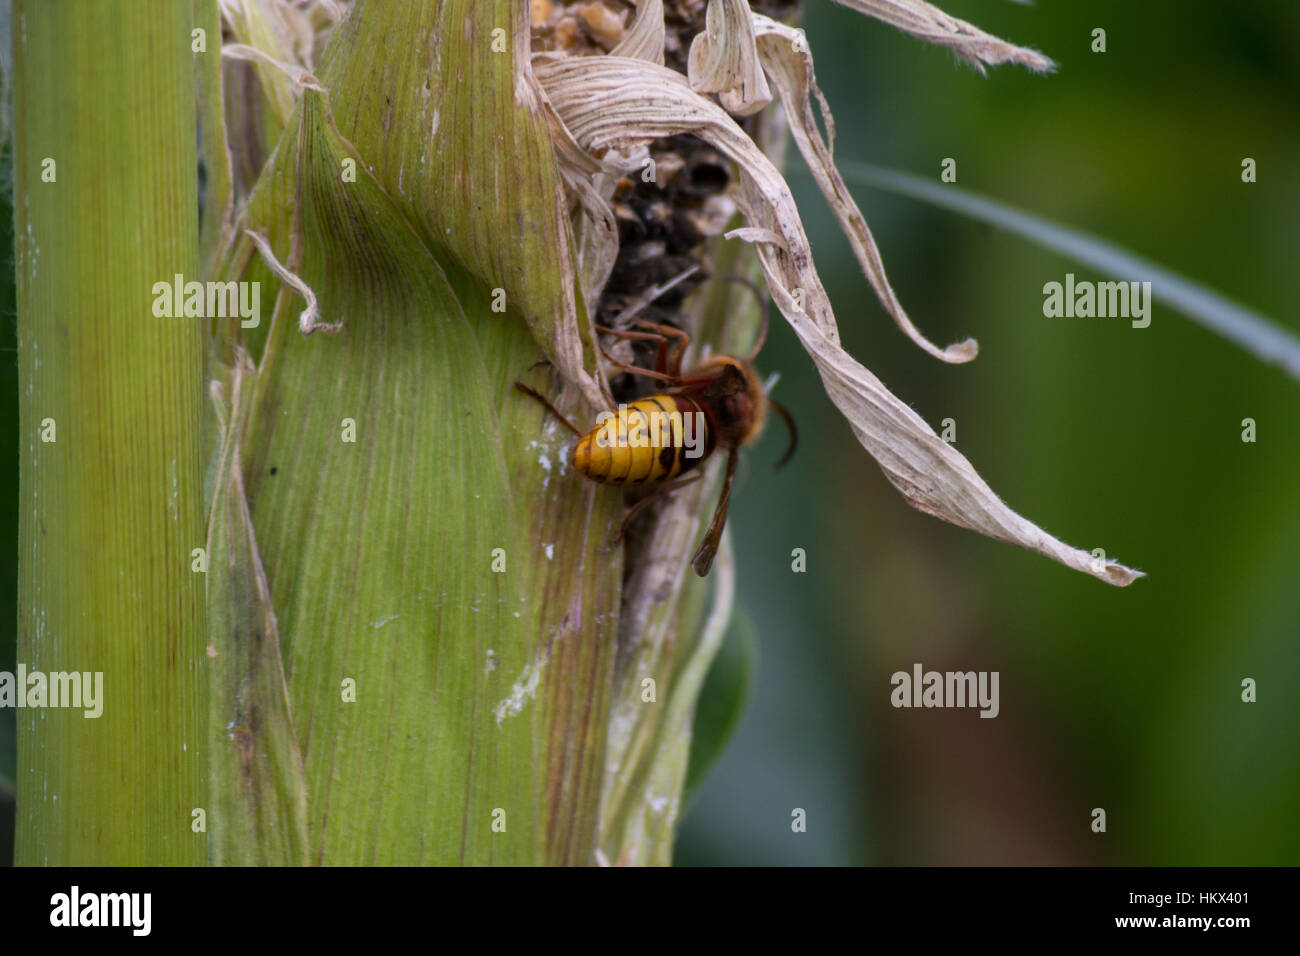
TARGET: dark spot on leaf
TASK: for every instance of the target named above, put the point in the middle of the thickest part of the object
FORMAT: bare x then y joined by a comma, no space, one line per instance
244,742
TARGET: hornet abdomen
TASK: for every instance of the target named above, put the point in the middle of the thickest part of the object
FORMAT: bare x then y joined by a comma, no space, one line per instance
646,442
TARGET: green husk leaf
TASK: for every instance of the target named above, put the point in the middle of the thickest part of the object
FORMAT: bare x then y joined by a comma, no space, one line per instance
258,788
367,559
722,702
470,155
218,197
447,712
658,683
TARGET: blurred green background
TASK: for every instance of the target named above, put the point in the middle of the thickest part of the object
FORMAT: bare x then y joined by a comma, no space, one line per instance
1107,436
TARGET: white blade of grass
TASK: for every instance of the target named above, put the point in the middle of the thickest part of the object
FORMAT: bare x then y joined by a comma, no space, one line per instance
1256,333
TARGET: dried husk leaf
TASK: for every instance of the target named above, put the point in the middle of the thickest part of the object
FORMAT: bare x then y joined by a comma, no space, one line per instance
931,24
258,92
723,59
615,103
591,185
785,55
609,102
263,27
644,39
932,475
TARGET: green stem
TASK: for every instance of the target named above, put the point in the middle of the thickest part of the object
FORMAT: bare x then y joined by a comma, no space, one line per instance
111,508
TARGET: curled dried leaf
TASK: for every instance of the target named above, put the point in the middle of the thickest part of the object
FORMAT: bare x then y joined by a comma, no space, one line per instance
590,184
931,24
309,319
266,29
724,60
644,39
612,102
240,51
785,56
932,475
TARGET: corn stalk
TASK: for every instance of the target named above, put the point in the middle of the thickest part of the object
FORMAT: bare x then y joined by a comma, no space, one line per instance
110,485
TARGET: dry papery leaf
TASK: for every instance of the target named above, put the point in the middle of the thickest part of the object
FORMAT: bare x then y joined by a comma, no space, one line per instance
784,53
644,39
966,40
723,58
612,103
591,184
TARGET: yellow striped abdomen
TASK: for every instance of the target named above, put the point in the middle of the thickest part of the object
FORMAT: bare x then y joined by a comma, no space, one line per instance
650,440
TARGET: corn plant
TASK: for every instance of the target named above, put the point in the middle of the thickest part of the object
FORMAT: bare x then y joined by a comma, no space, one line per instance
408,632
